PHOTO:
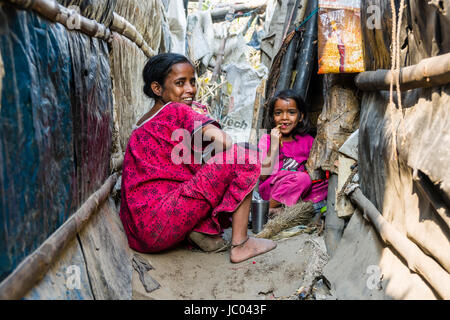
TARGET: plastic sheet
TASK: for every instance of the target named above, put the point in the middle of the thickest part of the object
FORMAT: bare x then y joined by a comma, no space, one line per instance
92,105
244,81
235,47
55,128
177,22
277,15
340,37
200,36
36,134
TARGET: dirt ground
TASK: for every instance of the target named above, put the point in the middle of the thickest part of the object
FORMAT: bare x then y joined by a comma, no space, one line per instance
287,272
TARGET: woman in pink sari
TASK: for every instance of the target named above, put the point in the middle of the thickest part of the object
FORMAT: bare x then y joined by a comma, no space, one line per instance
284,179
168,194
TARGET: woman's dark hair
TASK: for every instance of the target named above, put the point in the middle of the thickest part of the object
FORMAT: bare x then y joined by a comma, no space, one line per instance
158,67
303,126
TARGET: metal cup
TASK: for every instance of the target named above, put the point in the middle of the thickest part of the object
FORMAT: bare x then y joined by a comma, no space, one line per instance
260,213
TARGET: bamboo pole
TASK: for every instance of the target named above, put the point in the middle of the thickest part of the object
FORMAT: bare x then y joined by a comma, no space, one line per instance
430,72
218,15
287,63
416,260
121,25
33,268
307,52
71,19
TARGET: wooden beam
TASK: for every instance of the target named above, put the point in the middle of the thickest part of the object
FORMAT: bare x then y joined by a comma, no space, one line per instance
417,261
430,72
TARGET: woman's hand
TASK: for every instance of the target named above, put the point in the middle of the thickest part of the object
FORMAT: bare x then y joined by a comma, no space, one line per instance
221,140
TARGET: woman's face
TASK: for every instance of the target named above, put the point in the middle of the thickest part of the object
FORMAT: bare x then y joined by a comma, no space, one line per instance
286,115
179,85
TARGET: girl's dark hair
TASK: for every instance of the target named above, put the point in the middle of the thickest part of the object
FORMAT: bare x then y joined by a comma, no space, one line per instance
158,67
304,126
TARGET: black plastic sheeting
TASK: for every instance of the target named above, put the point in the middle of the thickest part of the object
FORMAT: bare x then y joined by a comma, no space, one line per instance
424,33
55,128
92,104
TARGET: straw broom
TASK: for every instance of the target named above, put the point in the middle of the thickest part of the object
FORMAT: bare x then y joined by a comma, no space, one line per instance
301,213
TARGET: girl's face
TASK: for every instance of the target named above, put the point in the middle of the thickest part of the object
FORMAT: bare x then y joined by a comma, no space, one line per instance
179,85
286,115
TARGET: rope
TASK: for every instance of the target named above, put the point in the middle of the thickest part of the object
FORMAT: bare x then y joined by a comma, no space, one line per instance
306,20
397,113
393,55
400,16
395,52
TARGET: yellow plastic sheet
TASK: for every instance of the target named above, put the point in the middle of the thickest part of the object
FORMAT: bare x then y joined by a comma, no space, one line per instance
340,39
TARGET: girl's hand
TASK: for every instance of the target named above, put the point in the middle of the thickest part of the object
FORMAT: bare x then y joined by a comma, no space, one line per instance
275,136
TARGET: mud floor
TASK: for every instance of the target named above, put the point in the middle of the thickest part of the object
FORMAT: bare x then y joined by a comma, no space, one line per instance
280,274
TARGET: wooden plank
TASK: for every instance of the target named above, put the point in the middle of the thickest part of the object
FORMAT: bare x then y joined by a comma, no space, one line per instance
334,226
350,147
344,207
107,254
61,282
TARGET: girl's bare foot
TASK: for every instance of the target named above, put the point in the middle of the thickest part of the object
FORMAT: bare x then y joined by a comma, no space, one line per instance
249,248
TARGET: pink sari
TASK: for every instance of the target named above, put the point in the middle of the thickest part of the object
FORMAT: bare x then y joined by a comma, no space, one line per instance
288,187
163,201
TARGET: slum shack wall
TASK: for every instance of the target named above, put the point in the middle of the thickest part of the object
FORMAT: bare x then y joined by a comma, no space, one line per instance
402,163
68,102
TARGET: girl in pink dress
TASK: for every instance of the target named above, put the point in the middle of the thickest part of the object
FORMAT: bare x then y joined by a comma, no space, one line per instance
168,193
284,179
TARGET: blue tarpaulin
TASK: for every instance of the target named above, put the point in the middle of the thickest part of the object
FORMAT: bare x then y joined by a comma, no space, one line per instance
55,128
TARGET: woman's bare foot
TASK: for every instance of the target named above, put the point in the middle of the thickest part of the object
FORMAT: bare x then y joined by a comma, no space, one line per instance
252,247
208,243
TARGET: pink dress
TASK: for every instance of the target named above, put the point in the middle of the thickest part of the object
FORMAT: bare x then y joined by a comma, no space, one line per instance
163,201
288,187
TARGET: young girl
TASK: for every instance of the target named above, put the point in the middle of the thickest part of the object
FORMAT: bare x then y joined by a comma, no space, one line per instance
284,179
163,201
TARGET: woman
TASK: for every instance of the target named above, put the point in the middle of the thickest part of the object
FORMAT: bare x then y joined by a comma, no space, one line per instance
164,200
